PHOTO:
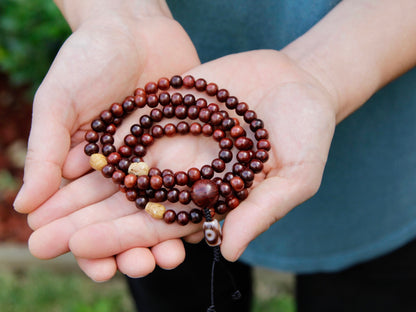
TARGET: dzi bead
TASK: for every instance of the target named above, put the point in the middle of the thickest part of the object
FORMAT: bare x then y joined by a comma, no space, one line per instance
212,232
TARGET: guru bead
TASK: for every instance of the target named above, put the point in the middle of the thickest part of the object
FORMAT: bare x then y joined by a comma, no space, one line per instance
98,161
212,232
204,193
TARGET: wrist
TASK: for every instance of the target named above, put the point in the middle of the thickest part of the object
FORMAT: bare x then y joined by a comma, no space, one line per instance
78,12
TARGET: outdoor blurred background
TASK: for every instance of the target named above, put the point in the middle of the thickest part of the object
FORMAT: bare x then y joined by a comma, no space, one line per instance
31,32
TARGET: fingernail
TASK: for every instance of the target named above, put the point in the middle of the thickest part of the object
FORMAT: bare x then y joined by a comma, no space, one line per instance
18,199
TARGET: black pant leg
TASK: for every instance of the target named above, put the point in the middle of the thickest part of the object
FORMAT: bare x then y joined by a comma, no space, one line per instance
384,284
187,288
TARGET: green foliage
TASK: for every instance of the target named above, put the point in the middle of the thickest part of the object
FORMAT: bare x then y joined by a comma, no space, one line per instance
281,303
31,32
42,290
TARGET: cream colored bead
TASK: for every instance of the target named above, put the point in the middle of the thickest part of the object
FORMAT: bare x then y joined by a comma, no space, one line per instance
156,210
98,161
138,168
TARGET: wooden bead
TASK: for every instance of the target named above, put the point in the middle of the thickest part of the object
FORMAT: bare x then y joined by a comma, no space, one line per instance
138,168
98,161
156,210
204,193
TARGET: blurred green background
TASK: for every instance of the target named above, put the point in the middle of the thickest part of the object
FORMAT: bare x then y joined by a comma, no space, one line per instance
31,32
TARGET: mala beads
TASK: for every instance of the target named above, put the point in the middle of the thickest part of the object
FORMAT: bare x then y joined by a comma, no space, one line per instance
208,188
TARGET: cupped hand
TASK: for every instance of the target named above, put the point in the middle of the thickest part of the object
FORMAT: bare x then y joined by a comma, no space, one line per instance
101,62
298,112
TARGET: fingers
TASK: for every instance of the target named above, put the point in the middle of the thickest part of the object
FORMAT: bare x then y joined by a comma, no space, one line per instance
85,191
270,201
169,254
99,270
194,238
48,146
136,262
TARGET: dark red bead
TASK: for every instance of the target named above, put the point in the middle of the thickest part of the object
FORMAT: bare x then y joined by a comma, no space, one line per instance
184,197
249,116
218,165
125,151
207,130
211,89
130,140
170,129
91,136
176,99
181,111
221,207
157,131
262,155
152,100
188,100
169,216
228,123
156,114
108,170
128,105
194,174
201,103
222,95
167,171
226,143
237,184
143,182
140,100
147,139
154,172
124,164
225,189
182,127
228,176
242,195
218,135
188,82
261,134
173,195
195,215
244,157
193,112
111,129
156,182
107,139
264,144
256,124
182,218
141,202
108,149
204,115
117,110
207,172
216,119
169,111
107,117
98,125
91,148
241,108
213,108
139,91
117,121
204,193
169,180
181,178
226,155
243,143
130,180
160,195
247,175
118,176
164,98
145,121
238,168
139,150
150,87
232,202
237,131
200,84
114,158
256,165
136,130
176,82
231,102
131,194
163,84
195,128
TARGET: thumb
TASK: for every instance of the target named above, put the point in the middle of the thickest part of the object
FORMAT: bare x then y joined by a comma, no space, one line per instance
48,146
267,203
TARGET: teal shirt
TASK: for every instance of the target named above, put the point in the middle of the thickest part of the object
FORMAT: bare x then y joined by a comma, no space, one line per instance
366,205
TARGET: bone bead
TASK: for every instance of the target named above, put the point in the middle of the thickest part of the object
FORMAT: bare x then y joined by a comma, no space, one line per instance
138,168
212,233
98,161
156,210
